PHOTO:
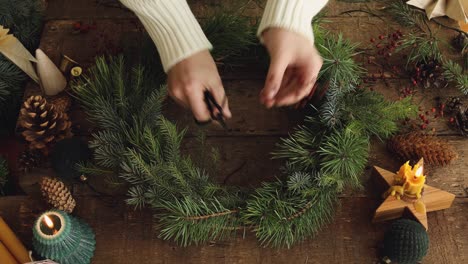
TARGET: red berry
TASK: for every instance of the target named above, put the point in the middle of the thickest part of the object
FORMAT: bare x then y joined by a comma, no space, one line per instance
442,106
372,40
77,25
423,126
426,121
427,112
452,120
433,109
381,37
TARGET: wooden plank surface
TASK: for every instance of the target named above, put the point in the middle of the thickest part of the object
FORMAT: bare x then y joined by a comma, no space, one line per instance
125,236
98,9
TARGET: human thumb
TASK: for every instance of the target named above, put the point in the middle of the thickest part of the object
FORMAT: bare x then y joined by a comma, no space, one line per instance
274,77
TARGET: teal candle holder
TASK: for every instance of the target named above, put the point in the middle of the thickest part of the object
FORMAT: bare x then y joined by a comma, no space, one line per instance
63,238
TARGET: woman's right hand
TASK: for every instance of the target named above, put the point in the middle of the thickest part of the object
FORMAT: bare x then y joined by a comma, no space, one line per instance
188,79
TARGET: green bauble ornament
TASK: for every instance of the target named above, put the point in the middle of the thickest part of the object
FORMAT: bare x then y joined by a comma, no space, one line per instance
63,238
406,242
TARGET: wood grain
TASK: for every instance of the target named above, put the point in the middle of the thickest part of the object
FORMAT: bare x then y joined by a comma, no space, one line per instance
126,236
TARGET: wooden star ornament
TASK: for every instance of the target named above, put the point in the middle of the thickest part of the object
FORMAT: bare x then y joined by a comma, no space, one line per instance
397,201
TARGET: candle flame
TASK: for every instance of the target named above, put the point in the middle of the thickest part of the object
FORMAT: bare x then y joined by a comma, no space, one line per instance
418,172
48,221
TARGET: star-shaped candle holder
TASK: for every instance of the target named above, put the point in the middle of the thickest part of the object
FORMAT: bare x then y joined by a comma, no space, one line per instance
407,192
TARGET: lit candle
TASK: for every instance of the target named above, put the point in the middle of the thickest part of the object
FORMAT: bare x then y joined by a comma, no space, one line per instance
403,172
415,183
63,238
5,255
12,243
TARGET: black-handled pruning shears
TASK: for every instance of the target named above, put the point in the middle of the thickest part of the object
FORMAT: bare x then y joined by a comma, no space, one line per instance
211,104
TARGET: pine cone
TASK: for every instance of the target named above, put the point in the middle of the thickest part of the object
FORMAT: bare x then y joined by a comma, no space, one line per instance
29,159
57,194
462,121
42,123
459,111
429,74
453,105
61,102
415,145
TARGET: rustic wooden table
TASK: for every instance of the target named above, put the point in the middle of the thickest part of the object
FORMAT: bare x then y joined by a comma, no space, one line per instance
126,236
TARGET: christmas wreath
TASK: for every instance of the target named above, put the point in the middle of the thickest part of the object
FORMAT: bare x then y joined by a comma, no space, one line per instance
325,154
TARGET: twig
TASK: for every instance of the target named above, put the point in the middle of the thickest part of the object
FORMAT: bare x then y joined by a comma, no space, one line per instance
364,11
234,172
202,217
301,212
449,27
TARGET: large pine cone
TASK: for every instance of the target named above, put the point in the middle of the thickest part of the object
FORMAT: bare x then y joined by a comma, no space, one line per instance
42,123
57,194
415,145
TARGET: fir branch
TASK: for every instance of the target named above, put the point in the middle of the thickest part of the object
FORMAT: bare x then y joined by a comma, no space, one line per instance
343,157
299,181
300,147
421,47
339,68
230,34
407,16
455,74
24,19
281,218
206,216
189,221
369,113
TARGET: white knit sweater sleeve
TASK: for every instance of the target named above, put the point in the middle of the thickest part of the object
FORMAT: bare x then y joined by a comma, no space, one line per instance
178,35
173,28
293,15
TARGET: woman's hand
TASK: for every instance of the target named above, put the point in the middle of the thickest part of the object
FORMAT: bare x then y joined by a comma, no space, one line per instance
295,64
188,79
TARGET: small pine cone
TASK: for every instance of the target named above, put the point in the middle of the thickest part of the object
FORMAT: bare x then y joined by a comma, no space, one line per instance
430,74
453,105
415,145
57,194
42,123
61,102
29,159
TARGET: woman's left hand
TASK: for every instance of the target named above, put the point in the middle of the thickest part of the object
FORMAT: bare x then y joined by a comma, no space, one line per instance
294,67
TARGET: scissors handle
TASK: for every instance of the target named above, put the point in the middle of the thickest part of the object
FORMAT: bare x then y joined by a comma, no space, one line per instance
211,104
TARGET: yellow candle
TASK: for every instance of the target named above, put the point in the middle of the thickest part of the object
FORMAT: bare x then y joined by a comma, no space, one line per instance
5,255
400,176
414,184
12,243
